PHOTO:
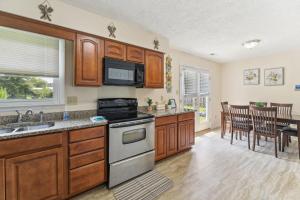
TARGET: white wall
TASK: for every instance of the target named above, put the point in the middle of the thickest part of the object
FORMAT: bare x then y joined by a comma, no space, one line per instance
75,18
235,92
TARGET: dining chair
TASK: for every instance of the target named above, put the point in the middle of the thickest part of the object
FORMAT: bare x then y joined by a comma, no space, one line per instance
225,109
288,132
239,121
254,103
265,124
283,110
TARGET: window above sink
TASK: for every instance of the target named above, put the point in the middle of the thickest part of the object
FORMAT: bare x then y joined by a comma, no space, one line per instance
31,69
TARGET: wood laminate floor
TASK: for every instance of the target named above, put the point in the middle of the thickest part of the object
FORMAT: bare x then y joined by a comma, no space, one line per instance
216,170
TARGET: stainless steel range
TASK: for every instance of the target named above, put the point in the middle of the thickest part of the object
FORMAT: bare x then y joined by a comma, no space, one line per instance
131,139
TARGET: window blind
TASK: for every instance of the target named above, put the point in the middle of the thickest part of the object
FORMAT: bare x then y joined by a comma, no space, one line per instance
26,53
196,83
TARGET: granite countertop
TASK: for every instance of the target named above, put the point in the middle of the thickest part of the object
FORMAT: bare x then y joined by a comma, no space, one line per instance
58,127
162,113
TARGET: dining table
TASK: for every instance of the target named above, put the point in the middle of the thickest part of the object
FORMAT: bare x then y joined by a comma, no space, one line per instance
293,119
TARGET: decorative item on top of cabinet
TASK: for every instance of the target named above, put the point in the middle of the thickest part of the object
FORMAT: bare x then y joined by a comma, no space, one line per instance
115,50
156,44
46,10
89,56
154,69
135,54
112,29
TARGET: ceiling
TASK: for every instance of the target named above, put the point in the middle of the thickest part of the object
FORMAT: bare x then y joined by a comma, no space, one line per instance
202,27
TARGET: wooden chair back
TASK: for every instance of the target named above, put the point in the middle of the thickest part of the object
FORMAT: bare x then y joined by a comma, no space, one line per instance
264,121
239,117
225,109
283,110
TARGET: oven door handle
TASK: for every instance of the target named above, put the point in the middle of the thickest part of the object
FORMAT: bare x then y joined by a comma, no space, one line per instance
126,124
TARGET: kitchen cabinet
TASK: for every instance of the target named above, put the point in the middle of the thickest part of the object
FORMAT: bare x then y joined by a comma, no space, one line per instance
186,131
2,179
173,134
35,176
171,139
154,69
135,54
115,50
160,142
89,60
87,158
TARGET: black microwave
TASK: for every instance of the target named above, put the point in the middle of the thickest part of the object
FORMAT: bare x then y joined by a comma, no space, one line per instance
117,72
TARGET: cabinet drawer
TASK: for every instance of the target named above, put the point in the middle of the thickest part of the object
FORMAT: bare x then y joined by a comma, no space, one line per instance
87,158
88,133
165,120
115,50
86,177
21,145
186,116
135,54
86,146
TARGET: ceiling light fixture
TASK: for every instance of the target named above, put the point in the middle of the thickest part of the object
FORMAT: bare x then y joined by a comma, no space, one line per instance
251,43
212,54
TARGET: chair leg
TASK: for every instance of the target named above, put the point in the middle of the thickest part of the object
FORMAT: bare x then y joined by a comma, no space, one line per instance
231,137
283,142
276,147
236,135
248,136
240,133
266,139
254,137
258,137
279,142
287,141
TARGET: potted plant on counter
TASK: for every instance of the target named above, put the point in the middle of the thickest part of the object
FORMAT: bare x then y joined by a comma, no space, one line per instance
149,102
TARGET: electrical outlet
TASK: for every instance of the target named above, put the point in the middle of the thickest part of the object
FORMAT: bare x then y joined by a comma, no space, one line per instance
72,100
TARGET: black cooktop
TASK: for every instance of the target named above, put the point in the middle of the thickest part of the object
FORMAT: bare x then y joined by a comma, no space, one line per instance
117,110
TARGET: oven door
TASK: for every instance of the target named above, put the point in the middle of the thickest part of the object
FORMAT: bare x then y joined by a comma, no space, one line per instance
127,139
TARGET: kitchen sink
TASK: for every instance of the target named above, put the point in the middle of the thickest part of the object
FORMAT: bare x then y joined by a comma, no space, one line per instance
6,130
26,126
34,126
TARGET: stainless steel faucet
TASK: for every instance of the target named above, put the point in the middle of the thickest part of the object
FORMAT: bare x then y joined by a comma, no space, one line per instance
28,111
20,115
41,116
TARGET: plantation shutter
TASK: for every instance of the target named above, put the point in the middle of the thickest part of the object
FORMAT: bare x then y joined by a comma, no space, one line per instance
203,84
190,83
26,53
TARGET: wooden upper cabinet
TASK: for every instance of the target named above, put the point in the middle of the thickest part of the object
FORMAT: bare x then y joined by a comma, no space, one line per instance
135,54
115,50
35,176
154,69
89,61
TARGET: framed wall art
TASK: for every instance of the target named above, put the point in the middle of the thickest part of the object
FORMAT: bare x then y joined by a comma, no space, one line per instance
274,76
251,76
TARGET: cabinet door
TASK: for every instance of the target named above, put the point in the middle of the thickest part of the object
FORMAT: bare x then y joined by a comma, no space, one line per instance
183,136
171,139
160,142
154,70
115,50
2,180
191,130
89,61
135,54
35,176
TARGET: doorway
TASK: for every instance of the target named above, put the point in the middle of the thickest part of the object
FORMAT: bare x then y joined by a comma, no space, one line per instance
195,94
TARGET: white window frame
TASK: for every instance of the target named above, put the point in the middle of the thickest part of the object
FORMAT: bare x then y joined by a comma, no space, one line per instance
58,89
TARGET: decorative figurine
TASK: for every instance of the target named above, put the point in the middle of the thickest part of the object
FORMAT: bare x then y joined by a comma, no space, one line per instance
156,44
46,10
112,29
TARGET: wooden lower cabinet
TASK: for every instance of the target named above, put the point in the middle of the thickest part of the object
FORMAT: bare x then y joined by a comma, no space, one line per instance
35,176
186,134
2,179
171,139
86,177
160,142
173,134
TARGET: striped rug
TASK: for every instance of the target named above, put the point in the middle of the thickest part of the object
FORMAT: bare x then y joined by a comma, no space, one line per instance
146,187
